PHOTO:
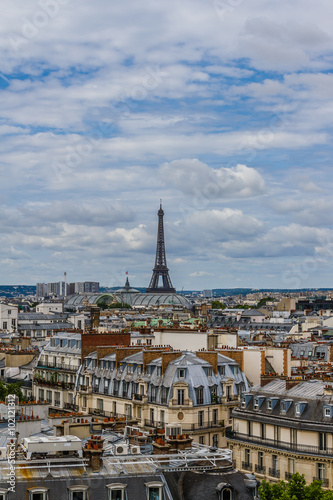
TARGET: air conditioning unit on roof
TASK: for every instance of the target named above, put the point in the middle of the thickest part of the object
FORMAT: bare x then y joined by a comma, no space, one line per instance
121,449
135,450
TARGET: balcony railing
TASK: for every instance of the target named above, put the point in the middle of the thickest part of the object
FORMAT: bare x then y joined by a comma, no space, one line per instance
51,383
281,445
287,475
274,472
324,481
247,466
71,406
261,469
56,402
109,414
57,366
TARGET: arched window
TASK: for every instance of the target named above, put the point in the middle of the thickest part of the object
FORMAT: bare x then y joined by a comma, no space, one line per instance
224,491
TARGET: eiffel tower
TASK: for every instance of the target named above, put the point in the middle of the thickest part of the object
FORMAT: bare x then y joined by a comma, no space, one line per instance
160,270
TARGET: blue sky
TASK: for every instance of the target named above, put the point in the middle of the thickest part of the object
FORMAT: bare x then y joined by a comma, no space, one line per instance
221,108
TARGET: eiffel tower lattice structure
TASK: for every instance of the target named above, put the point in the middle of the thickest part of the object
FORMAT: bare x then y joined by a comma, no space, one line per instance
160,271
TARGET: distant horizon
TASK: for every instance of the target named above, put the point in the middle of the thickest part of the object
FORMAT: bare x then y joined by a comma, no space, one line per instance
202,289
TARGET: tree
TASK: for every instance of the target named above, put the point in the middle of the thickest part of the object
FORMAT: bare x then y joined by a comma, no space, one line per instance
216,304
15,388
295,489
263,302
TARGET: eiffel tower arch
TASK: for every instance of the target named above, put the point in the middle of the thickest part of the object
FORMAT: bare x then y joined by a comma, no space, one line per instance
160,271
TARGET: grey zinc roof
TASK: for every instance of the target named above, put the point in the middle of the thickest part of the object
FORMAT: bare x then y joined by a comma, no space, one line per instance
277,386
308,389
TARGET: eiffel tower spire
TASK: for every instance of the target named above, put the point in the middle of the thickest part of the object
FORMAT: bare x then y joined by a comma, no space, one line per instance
160,270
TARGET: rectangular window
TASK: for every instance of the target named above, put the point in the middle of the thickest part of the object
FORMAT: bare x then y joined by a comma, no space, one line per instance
57,398
4,325
162,418
327,412
180,396
214,417
321,471
200,418
322,441
274,462
116,495
260,459
247,455
262,431
154,493
293,436
99,404
181,373
199,392
249,428
201,439
49,397
291,466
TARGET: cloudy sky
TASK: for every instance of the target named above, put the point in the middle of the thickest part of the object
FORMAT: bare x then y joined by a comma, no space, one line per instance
221,108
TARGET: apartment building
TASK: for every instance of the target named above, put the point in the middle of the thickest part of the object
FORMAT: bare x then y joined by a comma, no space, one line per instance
8,318
196,390
55,373
280,429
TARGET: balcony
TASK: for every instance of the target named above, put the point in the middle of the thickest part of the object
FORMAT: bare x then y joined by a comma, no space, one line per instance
109,414
139,398
247,466
54,384
71,406
287,475
56,402
279,445
85,389
154,423
57,366
323,481
261,469
274,472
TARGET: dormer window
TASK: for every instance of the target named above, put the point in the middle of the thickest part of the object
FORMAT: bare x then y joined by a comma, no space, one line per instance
243,403
116,491
283,406
269,404
327,411
224,491
78,492
38,493
181,373
154,490
256,403
300,407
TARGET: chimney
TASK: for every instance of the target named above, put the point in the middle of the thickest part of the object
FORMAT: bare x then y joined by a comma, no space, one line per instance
93,451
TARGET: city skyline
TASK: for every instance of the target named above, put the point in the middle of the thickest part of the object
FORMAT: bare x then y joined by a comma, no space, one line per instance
223,110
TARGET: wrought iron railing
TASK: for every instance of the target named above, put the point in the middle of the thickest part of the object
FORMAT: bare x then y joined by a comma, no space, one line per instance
283,445
274,472
324,481
247,466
